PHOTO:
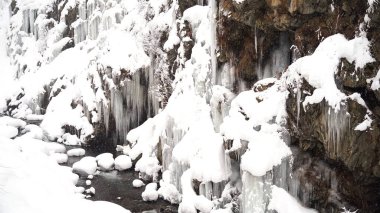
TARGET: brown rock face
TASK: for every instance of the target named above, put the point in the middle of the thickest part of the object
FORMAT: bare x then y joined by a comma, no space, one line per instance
249,34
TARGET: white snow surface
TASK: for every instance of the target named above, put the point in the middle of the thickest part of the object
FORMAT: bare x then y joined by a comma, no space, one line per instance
32,182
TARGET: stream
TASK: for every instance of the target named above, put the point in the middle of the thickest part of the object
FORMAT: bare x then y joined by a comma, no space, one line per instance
116,187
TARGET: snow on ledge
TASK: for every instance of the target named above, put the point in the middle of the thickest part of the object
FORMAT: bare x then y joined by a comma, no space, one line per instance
319,68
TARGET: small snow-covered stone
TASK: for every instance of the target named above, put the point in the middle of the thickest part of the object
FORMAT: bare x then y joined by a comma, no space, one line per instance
137,183
123,162
119,148
88,182
71,140
90,177
105,161
59,157
86,166
150,193
76,152
90,190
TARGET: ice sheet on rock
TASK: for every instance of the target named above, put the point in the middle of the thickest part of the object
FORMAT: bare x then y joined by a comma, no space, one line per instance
76,152
283,202
123,162
86,166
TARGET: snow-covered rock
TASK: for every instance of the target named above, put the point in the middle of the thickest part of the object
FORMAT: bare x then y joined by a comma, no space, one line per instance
77,152
70,139
105,161
86,166
123,162
150,193
137,183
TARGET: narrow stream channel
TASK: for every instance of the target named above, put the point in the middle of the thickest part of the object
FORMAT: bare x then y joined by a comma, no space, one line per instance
116,187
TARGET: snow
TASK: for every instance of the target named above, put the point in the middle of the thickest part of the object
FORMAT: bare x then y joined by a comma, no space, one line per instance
8,131
137,183
366,124
376,82
76,152
85,166
88,182
265,151
123,162
59,157
70,139
105,161
239,1
319,68
39,185
257,117
33,131
150,193
283,202
167,190
9,121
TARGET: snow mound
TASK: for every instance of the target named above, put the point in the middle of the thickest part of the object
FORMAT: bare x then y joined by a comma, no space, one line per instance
105,161
86,166
123,162
150,193
77,152
137,183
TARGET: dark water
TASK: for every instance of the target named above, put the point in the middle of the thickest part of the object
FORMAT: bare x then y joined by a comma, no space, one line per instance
116,187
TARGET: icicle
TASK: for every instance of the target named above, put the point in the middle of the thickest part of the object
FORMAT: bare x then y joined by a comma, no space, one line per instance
212,17
255,39
336,128
80,30
256,191
93,27
298,103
